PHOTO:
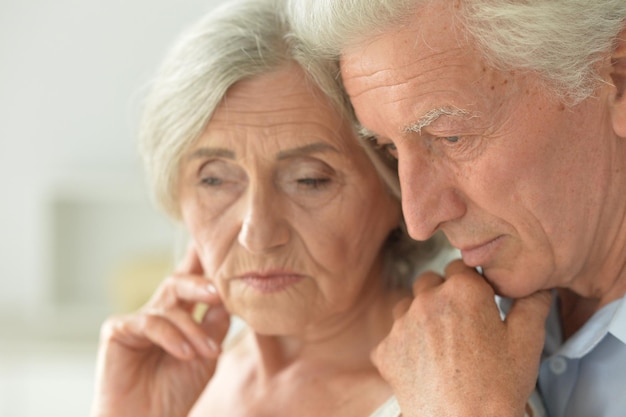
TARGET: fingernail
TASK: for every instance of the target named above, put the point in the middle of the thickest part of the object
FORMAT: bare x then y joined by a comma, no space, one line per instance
211,289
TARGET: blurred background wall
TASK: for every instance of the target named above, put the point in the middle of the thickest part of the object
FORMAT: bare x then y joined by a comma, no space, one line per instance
79,238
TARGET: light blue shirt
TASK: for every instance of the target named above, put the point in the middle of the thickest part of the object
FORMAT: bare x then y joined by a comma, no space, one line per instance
586,375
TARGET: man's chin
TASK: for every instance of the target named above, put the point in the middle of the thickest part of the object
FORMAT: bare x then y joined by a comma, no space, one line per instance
505,284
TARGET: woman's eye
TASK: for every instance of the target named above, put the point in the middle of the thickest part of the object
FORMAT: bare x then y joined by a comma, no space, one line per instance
211,181
218,175
308,181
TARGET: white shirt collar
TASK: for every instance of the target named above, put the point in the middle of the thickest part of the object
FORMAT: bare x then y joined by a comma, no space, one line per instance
609,319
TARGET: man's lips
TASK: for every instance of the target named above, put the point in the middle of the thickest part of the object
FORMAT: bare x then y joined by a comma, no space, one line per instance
480,254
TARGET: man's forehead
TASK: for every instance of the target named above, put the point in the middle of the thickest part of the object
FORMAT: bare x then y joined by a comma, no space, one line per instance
398,54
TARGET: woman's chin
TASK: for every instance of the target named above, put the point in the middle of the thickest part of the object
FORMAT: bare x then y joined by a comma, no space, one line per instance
273,324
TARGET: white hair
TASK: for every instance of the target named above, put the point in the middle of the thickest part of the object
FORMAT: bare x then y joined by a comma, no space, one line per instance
562,40
239,40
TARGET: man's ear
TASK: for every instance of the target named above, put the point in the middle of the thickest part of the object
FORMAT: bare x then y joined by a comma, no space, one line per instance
618,76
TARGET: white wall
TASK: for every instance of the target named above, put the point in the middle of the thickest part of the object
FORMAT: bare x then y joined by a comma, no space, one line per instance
71,72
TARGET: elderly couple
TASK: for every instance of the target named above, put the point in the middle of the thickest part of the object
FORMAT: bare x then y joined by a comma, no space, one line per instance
303,143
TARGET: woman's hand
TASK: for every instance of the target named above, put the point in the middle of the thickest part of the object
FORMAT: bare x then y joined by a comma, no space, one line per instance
157,361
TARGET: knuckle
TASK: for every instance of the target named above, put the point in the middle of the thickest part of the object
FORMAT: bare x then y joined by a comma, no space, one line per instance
116,325
468,283
109,328
150,320
170,282
165,294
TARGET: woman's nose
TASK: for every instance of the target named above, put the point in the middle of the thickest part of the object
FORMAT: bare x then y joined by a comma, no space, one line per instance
264,225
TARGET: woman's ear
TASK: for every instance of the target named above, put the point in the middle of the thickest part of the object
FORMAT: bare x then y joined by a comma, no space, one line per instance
618,76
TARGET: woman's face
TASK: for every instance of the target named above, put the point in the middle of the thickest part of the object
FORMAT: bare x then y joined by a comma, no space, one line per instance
286,210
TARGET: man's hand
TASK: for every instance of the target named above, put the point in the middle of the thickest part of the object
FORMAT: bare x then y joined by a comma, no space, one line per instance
450,354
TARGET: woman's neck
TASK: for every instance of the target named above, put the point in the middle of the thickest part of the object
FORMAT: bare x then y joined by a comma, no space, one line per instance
323,370
343,341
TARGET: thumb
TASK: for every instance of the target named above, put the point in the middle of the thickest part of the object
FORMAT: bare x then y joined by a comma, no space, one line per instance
527,318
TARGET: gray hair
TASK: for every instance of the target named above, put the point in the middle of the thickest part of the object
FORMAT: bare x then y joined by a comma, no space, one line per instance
562,40
236,41
239,40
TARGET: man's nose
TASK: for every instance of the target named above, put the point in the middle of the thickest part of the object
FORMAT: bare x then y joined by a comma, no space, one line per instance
429,194
264,226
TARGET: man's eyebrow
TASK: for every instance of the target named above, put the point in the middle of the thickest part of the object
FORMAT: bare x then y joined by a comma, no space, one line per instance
433,115
422,122
317,147
212,153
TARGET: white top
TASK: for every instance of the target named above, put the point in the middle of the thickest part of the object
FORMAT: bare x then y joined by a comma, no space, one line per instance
389,409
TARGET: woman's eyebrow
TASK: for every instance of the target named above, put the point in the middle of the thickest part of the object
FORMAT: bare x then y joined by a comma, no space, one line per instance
365,132
317,147
212,153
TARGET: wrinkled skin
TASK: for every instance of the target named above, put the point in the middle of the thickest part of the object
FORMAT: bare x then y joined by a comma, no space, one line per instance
157,361
508,172
453,356
288,217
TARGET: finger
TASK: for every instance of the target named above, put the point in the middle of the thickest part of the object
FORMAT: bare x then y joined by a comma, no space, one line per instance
190,264
196,335
144,331
185,291
193,288
428,280
527,316
216,323
458,267
401,307
526,327
467,281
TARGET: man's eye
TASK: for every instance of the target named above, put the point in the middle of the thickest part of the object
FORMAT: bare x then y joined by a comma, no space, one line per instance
314,183
452,139
389,149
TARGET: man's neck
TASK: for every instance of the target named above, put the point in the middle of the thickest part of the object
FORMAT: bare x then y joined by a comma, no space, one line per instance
574,311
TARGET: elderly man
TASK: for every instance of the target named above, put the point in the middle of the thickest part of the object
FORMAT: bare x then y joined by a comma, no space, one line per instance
508,120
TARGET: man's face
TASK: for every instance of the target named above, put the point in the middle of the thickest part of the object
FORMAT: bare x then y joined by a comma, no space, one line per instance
515,179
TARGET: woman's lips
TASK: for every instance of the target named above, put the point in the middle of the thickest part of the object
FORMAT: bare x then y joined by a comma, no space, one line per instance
270,283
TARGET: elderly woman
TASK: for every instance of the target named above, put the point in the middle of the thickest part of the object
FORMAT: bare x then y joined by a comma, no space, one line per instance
295,229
